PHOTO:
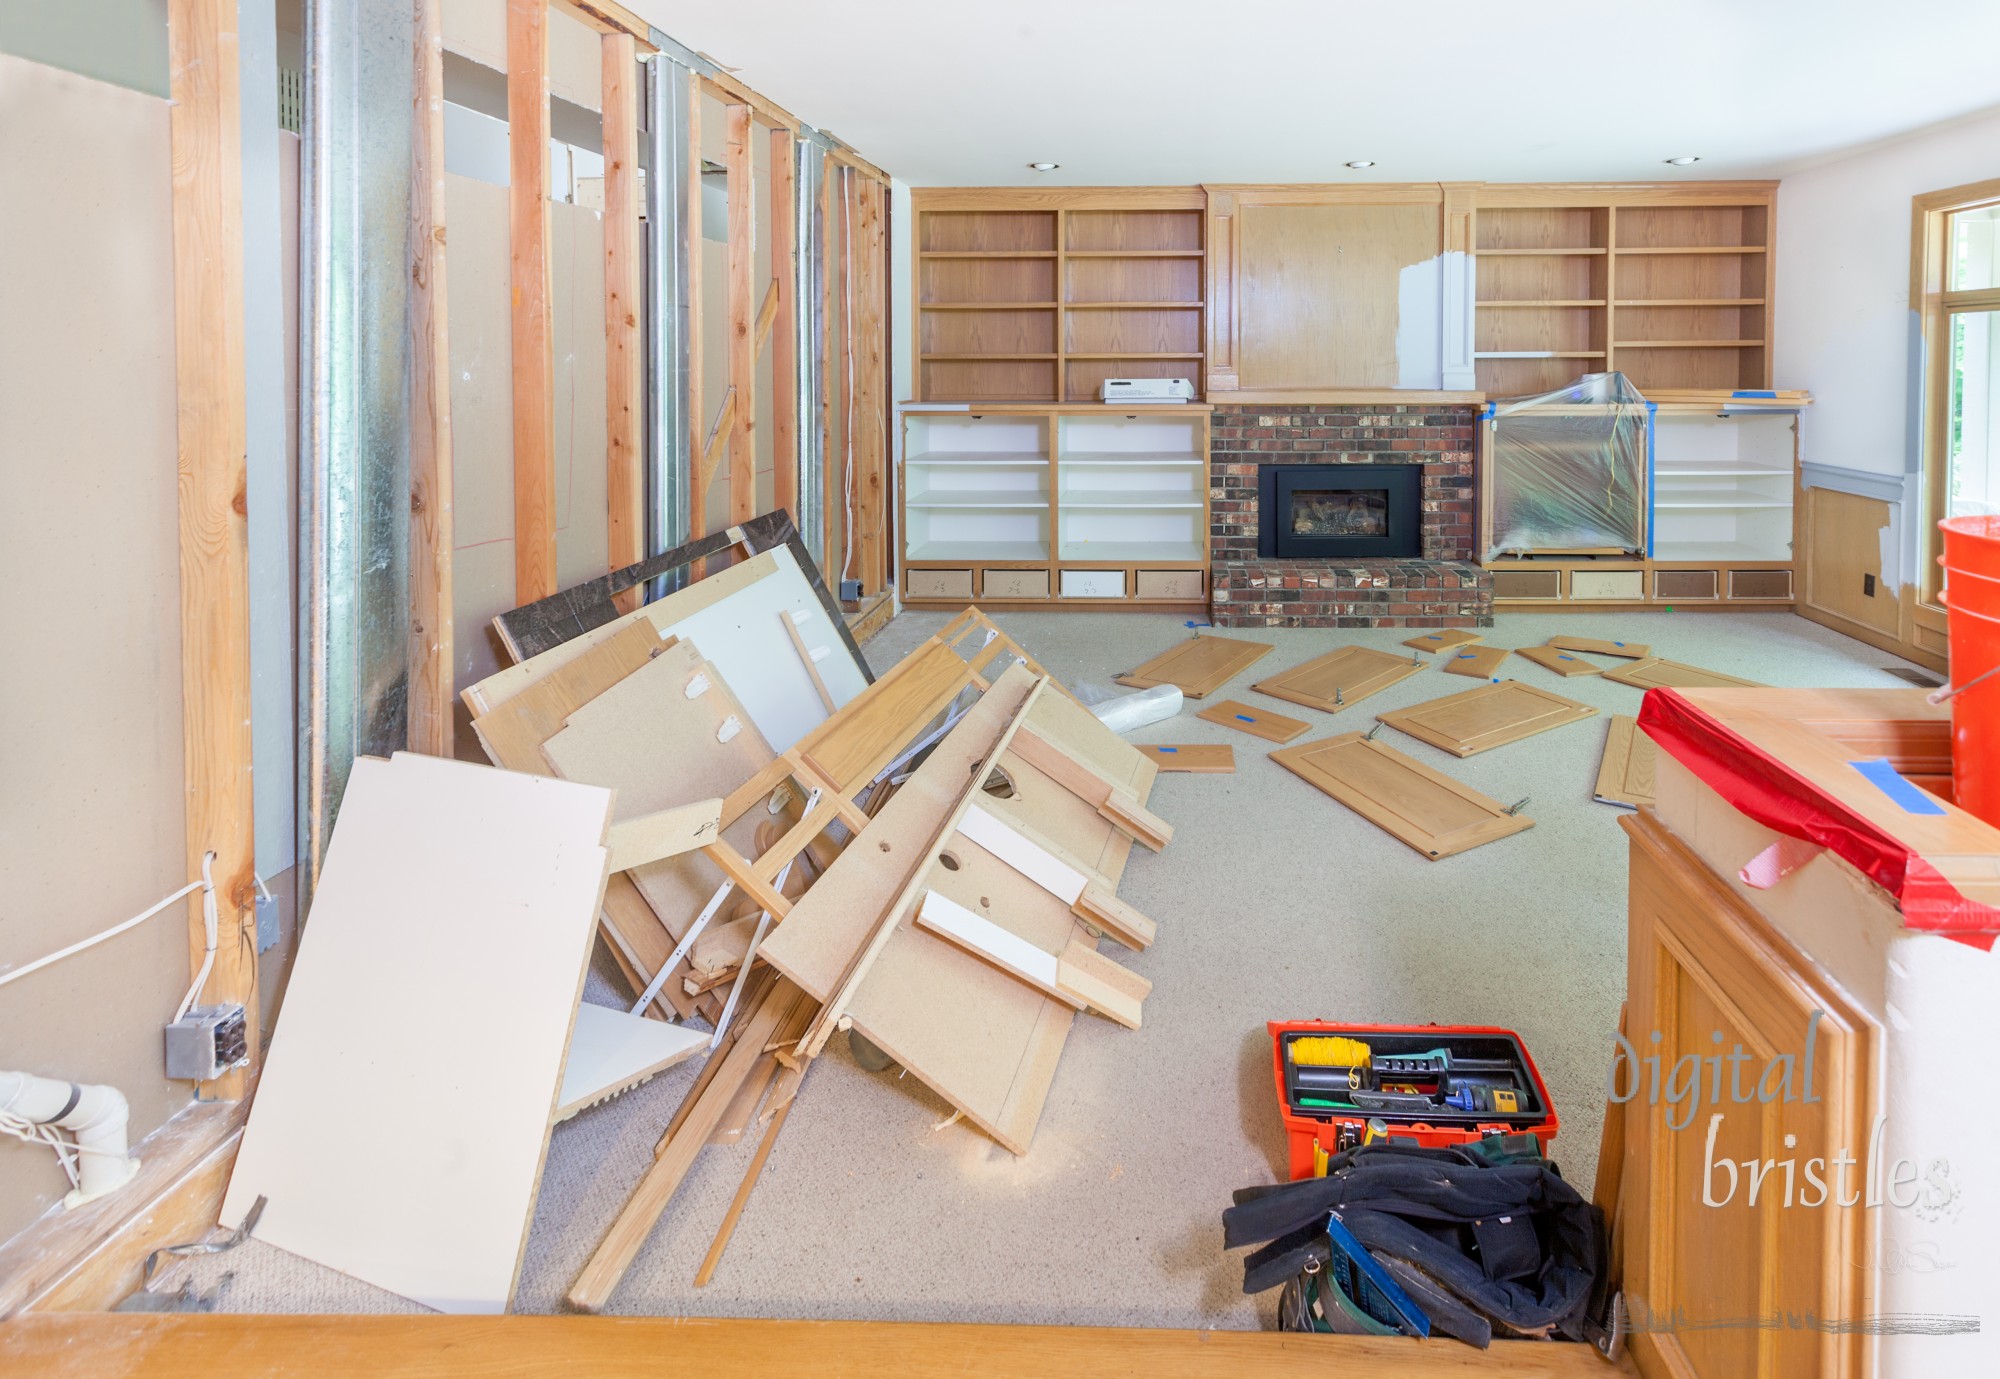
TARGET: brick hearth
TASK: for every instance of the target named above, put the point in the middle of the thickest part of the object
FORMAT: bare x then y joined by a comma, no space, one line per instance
1443,589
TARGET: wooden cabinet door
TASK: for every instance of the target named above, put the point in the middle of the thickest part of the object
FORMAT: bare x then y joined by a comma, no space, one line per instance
1731,1291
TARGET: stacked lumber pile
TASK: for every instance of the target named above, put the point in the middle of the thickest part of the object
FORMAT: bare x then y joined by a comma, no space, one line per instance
929,859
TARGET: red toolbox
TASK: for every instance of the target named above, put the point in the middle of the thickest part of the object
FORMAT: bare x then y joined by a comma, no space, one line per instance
1436,1084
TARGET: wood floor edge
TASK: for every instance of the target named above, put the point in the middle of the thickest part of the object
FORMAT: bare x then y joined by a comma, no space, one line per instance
433,1347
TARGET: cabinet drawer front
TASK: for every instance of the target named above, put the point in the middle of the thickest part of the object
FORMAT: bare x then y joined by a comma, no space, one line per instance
1684,584
1527,584
1093,584
1014,584
1607,584
1760,584
939,584
1171,584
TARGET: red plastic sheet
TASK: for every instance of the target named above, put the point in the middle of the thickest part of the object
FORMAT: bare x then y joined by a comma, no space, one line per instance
1764,789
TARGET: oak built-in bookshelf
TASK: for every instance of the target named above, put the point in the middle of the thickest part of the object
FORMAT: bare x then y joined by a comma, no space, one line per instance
1025,296
1674,295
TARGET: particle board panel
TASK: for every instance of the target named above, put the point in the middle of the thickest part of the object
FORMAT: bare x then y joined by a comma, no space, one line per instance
1443,640
1625,773
1479,661
659,747
611,1051
1197,758
1599,646
1563,663
1062,720
1486,716
1340,678
1272,727
1656,672
1424,808
454,915
976,1036
1199,666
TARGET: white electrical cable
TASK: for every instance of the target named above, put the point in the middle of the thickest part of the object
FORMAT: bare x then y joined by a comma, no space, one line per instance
208,927
117,929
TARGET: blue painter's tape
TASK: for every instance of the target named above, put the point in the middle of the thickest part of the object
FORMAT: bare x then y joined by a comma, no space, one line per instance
1897,787
1753,392
1564,656
1465,655
1618,643
1246,717
1166,749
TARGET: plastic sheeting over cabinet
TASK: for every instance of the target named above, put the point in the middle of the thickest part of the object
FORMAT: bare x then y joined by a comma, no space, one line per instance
1569,470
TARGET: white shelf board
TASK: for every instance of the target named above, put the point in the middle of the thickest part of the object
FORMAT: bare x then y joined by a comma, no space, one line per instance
1704,471
1105,499
977,457
1716,550
1145,457
1137,551
979,550
980,498
1665,499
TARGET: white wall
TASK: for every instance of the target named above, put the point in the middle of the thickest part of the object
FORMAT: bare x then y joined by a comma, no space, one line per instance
1845,324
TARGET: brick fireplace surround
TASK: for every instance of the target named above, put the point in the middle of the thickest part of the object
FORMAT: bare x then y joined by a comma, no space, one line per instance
1443,589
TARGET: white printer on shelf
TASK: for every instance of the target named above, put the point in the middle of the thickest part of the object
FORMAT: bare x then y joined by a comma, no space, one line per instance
1147,390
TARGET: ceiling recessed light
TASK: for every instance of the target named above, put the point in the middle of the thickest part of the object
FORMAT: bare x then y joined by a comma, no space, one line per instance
1045,167
1362,163
1683,160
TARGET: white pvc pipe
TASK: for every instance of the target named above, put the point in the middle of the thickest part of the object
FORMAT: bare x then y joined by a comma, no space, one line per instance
95,1115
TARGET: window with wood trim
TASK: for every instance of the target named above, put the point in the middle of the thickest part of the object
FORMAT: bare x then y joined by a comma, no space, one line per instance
1956,290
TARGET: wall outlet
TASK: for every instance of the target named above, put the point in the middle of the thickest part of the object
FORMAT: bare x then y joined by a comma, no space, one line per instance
206,1042
1868,586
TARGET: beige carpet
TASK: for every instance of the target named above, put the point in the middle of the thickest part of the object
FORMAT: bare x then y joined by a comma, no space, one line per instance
1273,902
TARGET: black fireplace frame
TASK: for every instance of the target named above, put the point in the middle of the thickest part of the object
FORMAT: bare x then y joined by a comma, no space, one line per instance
1404,484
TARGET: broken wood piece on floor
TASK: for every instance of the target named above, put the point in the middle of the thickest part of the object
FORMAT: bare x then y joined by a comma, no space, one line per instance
1424,808
1480,661
453,918
1564,663
1343,676
1486,716
1199,666
1658,673
1443,640
1197,757
1599,646
1079,975
741,1112
611,1051
1272,727
635,1221
1625,775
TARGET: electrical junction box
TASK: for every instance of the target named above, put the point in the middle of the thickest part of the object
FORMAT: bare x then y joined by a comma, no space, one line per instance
206,1042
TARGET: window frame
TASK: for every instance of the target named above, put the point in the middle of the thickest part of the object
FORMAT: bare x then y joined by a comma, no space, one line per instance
1935,306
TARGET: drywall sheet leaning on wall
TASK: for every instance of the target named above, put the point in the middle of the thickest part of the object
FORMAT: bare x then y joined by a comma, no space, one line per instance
404,1108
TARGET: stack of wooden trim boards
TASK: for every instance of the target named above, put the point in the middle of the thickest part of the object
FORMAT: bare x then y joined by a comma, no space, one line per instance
766,838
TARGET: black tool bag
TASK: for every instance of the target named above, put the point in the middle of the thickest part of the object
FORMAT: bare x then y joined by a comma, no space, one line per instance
1486,1238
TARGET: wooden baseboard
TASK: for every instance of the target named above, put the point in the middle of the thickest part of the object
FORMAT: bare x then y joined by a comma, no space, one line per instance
90,1258
872,617
201,1346
1875,637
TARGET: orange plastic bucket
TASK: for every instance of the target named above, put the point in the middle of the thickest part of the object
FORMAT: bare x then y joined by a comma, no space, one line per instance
1971,561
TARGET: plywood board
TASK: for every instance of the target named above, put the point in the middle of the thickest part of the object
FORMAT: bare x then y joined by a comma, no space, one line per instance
1443,640
1272,727
1625,775
1485,717
611,1051
1478,661
1341,677
1564,663
657,737
980,1039
1424,808
403,1110
1656,672
1195,757
1199,666
1598,646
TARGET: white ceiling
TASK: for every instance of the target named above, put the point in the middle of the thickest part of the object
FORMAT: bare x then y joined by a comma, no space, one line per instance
1132,92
